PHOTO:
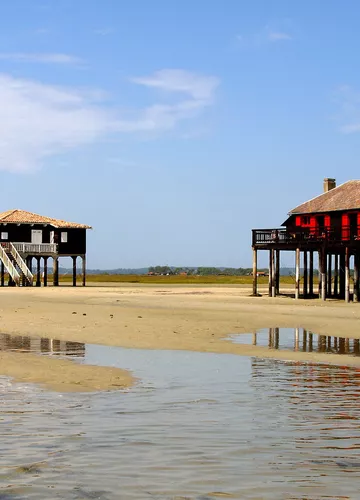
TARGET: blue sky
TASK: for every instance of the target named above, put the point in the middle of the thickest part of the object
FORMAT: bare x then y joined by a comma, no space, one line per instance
173,128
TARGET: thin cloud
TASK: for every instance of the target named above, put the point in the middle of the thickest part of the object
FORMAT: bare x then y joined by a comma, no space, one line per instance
275,36
50,58
348,102
38,121
103,31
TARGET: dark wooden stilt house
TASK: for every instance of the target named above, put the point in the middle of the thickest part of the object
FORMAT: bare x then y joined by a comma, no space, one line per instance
328,225
25,236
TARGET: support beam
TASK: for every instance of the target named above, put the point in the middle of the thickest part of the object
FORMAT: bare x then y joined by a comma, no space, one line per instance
329,275
56,271
45,271
347,274
305,289
336,275
277,272
270,271
273,272
323,275
297,273
74,270
83,270
2,272
38,271
320,274
356,277
255,292
311,273
342,276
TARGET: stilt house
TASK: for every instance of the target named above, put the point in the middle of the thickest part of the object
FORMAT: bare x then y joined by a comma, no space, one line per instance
25,236
328,225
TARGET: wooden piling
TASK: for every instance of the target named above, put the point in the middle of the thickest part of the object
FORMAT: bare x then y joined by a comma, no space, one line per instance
320,274
336,275
311,273
45,271
270,271
305,288
273,272
297,273
2,272
56,271
38,271
277,272
347,274
323,274
255,292
356,278
329,275
83,270
74,271
342,276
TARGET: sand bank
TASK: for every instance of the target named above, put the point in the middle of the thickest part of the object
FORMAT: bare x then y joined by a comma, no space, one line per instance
160,317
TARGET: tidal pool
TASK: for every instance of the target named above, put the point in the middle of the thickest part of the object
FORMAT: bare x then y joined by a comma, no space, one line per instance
197,426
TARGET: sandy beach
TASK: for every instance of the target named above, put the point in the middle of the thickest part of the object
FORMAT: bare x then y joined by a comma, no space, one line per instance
156,317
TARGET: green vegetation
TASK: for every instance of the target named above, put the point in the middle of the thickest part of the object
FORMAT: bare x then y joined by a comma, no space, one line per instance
175,279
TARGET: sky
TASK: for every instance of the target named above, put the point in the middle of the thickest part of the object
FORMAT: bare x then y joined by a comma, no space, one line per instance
175,127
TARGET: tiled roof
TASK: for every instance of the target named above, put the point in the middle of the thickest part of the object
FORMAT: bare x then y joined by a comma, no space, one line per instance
22,217
343,197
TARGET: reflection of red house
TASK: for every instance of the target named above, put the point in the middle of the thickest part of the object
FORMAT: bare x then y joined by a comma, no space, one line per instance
329,225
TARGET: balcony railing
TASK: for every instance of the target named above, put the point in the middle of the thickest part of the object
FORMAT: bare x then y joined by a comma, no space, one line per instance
290,237
36,248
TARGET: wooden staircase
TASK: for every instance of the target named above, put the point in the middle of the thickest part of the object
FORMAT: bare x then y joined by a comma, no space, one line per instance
15,265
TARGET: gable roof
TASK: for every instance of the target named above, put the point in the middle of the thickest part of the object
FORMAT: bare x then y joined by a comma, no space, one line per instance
343,197
22,217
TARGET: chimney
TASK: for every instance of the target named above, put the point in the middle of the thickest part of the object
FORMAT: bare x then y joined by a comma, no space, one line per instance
329,184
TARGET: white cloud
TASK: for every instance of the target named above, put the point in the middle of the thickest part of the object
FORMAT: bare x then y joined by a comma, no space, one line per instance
38,121
275,36
40,58
103,31
199,87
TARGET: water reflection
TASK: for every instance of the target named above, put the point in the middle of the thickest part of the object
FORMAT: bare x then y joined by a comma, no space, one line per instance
299,339
198,426
37,345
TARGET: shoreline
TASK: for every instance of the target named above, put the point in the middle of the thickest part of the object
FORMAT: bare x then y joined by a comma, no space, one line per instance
163,317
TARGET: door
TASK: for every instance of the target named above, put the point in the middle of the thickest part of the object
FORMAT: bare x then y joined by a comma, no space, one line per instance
52,237
353,226
36,236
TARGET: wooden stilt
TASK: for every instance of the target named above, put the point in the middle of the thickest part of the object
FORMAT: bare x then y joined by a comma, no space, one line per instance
311,273
297,273
56,271
270,272
347,274
45,271
83,270
336,275
2,273
323,275
255,292
320,275
74,270
329,273
356,277
342,276
277,272
305,289
273,272
38,271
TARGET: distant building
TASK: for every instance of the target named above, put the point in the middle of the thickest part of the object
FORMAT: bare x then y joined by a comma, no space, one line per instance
25,236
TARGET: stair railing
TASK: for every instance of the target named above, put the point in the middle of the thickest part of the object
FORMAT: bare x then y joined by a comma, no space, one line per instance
21,263
9,265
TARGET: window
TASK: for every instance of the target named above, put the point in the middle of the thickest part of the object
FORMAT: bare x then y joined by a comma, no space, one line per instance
4,236
306,220
64,237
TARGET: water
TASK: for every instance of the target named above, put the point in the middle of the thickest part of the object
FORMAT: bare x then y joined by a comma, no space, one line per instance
298,339
198,426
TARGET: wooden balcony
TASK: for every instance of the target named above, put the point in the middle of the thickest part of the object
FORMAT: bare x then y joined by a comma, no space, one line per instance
284,238
47,249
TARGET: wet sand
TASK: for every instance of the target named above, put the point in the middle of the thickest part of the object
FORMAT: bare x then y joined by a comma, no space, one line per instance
157,317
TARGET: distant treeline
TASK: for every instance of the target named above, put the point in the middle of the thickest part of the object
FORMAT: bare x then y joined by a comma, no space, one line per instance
201,271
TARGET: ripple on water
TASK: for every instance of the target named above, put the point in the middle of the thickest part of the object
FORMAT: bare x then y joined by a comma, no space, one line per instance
212,426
